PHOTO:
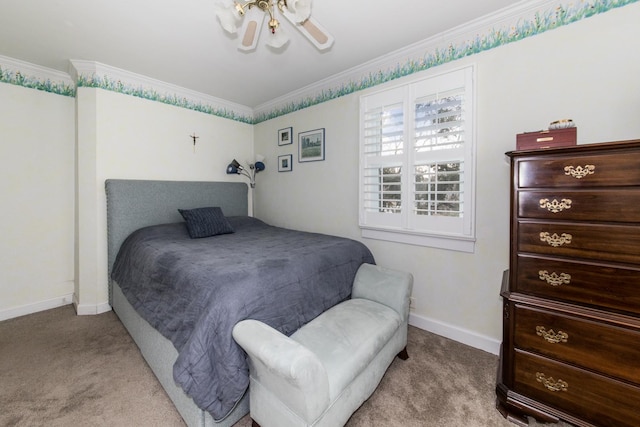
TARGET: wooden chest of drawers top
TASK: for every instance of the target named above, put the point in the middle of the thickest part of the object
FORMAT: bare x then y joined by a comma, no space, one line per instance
589,165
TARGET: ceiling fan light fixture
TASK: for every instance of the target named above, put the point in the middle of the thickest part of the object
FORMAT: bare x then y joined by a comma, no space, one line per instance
273,25
239,8
301,9
228,17
298,12
277,39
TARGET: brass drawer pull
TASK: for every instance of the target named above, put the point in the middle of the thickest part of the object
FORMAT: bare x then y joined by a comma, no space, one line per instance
579,172
555,206
555,240
554,279
550,383
551,336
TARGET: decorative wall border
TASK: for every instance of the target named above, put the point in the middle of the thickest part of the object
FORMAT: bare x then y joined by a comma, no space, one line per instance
174,99
511,25
96,75
20,73
469,39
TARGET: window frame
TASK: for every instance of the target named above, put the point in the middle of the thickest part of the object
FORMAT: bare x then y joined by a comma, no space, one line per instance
404,228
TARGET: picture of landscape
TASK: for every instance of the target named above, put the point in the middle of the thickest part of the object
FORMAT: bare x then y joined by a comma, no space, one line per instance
311,145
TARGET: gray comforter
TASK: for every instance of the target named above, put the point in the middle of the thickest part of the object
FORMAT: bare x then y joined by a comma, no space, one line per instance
193,291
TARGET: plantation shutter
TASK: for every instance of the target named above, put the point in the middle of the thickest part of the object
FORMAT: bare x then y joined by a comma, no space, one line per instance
438,168
383,155
416,160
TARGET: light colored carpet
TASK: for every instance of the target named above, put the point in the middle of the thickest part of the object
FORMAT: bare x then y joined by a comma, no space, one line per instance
59,369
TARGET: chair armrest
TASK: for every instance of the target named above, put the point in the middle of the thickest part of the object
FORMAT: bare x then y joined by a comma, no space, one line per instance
385,286
290,371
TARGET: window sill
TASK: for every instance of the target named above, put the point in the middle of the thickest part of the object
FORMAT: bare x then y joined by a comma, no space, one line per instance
452,243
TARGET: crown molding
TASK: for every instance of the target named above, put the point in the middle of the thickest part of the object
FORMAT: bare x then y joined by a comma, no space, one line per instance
21,73
522,20
98,75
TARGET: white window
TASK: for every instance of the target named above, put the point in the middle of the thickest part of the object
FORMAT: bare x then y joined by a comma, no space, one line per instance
417,162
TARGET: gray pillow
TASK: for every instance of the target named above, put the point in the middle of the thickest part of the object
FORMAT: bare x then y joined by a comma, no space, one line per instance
205,222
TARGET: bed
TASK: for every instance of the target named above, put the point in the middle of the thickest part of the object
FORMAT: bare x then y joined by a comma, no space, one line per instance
140,214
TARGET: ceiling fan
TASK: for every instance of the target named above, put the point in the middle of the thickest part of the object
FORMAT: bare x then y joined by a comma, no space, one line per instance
253,13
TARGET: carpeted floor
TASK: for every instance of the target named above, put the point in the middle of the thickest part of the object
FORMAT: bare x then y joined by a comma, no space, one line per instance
59,369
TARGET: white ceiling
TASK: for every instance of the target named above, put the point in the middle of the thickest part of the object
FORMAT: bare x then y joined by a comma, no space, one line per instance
181,41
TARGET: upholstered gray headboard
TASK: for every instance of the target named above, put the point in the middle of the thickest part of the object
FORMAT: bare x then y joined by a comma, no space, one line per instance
133,204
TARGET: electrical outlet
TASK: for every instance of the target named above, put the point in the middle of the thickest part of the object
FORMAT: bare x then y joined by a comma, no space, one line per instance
412,303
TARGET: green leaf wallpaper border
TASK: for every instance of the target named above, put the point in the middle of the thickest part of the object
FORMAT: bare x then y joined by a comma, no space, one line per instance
540,23
106,83
19,79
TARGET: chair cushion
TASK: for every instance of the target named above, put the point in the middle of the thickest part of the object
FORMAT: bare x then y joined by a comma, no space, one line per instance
347,337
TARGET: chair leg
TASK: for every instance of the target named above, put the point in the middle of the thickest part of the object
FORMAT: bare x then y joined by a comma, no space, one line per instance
403,355
254,423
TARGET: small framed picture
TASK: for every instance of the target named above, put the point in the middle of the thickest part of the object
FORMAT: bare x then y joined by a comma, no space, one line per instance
311,145
285,163
285,136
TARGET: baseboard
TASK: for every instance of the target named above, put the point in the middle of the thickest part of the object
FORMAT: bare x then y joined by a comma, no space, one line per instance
464,336
23,310
455,333
90,309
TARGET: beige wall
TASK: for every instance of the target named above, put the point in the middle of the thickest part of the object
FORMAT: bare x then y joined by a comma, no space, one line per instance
121,136
36,189
587,71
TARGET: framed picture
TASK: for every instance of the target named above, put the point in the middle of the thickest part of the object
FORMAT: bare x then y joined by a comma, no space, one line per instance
285,136
285,163
311,145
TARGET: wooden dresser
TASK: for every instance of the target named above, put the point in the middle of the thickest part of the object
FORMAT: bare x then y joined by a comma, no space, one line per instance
571,318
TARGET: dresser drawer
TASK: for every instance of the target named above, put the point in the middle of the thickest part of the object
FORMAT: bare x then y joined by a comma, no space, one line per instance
604,205
597,242
597,285
600,347
596,170
594,398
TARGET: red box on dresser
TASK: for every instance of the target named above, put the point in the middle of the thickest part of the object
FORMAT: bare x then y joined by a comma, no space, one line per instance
551,138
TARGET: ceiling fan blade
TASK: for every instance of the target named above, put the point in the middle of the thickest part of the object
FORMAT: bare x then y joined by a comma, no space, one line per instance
249,38
251,32
312,30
